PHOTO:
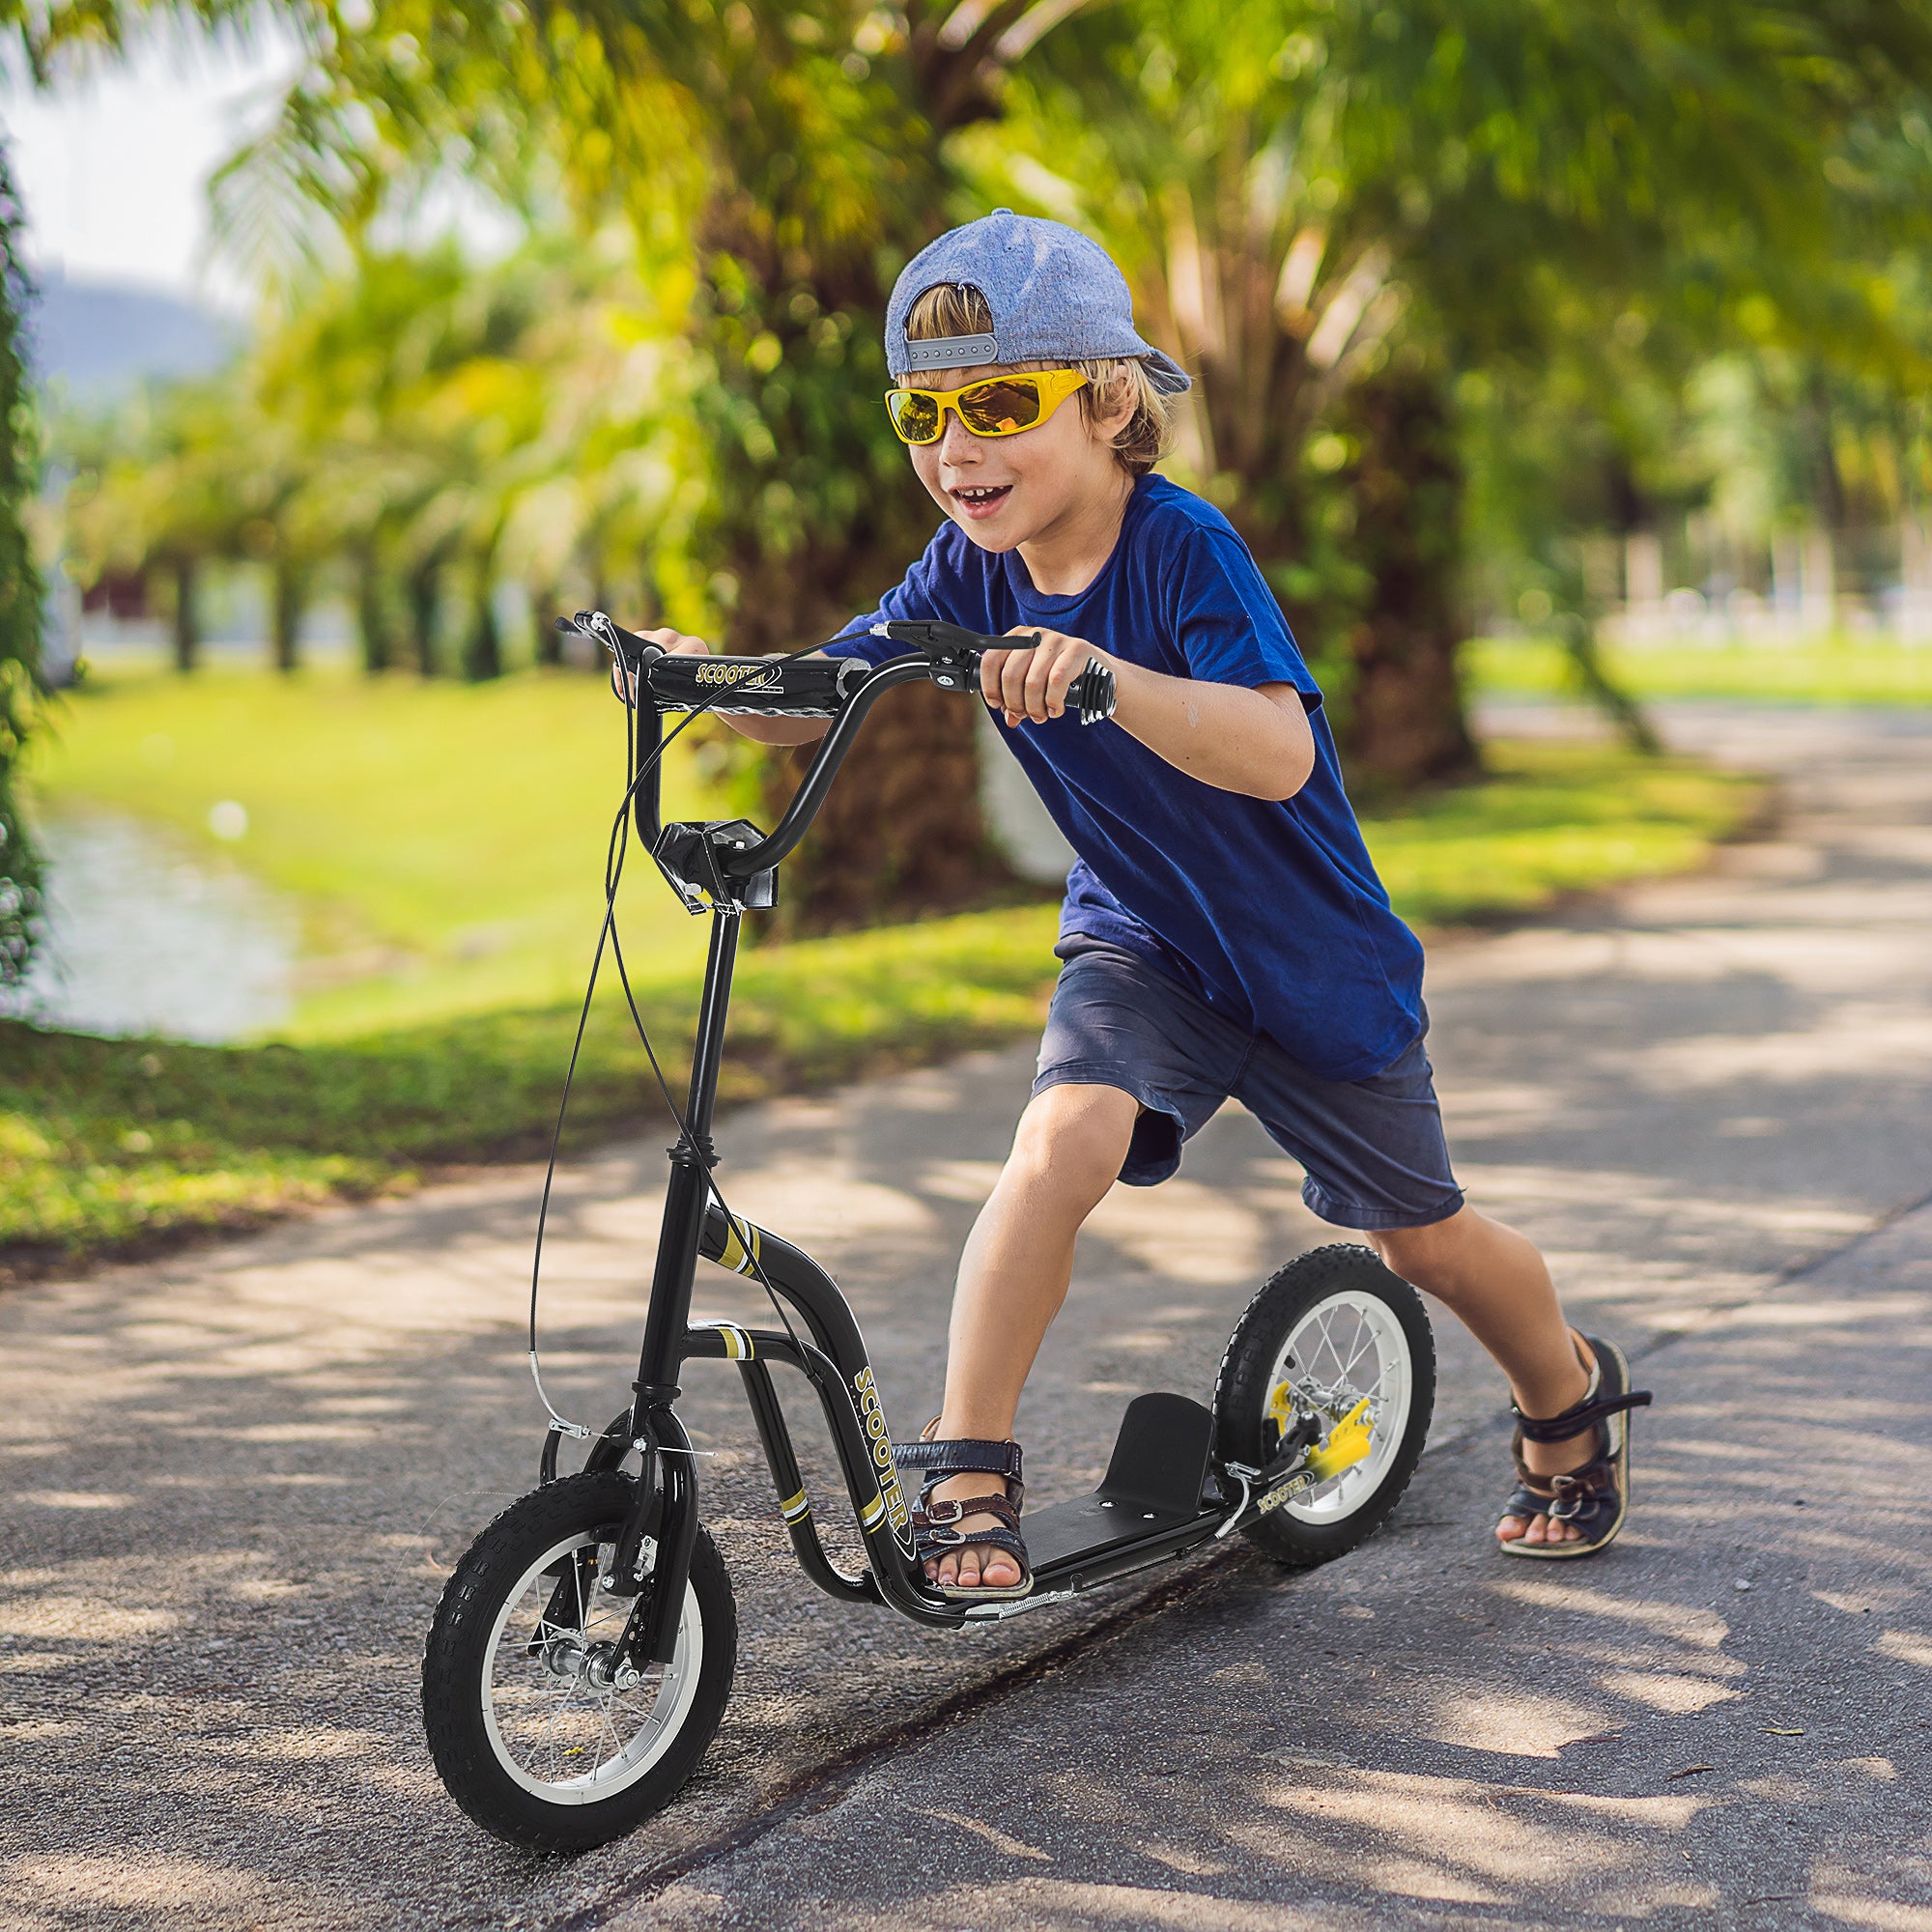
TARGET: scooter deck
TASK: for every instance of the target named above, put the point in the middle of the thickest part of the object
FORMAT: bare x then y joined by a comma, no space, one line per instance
1148,1505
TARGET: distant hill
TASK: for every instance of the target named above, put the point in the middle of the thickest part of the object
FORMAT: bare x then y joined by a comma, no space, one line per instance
100,339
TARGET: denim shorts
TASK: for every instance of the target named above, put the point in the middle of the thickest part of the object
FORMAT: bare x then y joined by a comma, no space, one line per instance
1373,1150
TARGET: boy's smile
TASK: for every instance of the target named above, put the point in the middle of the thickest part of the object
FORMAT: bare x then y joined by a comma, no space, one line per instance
980,501
1054,492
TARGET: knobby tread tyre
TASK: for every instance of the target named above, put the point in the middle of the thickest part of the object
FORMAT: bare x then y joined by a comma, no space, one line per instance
457,1646
1242,1392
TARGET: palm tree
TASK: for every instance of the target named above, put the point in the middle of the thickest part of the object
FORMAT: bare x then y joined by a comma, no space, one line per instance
1335,208
799,152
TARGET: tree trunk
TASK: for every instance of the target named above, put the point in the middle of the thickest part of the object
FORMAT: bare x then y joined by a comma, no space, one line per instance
425,595
483,647
289,598
547,608
186,628
372,614
893,841
1405,720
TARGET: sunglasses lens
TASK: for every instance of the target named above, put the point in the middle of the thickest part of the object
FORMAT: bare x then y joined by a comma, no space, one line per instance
915,415
1001,407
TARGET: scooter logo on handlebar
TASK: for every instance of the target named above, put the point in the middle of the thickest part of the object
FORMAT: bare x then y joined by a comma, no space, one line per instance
746,677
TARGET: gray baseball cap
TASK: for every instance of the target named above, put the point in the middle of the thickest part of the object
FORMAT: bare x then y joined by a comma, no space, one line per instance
1055,294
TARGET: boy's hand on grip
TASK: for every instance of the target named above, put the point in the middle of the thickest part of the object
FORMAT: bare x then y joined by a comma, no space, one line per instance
1032,685
675,642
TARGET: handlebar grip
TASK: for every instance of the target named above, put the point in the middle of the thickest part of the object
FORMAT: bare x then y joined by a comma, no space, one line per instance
1094,693
955,655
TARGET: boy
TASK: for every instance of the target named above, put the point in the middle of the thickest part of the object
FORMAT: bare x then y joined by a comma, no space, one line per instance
1224,932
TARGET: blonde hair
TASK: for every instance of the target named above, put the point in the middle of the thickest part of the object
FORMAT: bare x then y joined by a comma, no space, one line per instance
960,309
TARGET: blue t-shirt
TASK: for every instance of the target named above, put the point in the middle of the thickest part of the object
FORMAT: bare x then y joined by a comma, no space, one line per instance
1269,911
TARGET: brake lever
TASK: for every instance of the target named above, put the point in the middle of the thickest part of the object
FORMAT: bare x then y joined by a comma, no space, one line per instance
954,653
631,651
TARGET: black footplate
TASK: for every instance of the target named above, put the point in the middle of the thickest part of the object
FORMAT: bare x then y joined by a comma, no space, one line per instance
1152,1495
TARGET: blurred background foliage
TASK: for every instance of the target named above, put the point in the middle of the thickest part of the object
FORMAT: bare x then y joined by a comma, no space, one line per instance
1507,318
1464,285
21,598
1469,290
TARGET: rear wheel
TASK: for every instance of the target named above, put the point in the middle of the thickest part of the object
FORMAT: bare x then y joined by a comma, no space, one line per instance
1334,1335
539,1729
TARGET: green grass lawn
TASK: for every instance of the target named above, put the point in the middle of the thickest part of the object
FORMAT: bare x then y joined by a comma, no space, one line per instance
108,1143
444,841
1844,671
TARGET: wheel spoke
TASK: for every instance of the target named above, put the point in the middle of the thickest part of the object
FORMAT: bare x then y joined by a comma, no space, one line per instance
555,1729
1343,1336
1366,1343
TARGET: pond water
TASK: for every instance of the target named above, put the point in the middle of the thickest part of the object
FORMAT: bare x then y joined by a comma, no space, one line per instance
144,937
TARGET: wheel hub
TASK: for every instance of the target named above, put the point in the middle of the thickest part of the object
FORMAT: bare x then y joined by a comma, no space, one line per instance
564,1656
600,1666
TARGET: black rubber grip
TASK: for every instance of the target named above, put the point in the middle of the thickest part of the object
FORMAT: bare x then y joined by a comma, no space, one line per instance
955,653
1092,695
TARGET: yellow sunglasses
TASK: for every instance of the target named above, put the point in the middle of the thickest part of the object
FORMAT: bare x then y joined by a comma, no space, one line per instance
994,406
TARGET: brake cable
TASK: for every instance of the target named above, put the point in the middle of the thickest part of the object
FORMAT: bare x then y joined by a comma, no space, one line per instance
616,852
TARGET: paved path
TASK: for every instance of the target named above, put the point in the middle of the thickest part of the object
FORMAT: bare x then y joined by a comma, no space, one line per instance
233,1482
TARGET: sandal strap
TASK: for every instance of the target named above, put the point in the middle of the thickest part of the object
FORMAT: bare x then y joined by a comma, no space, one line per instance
1574,1421
1525,1502
1578,1492
939,1522
964,1455
953,1508
1541,1492
933,1543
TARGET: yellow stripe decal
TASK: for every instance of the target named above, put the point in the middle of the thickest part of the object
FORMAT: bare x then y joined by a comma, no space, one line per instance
874,1513
789,1503
737,1256
738,1343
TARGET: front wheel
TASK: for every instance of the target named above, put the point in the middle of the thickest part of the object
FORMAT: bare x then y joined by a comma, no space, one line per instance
538,1729
1332,1331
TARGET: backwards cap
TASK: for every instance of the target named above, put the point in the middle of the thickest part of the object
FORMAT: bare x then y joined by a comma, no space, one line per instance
1055,294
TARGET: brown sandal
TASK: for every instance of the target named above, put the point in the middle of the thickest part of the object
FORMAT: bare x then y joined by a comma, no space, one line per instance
1593,1500
935,1526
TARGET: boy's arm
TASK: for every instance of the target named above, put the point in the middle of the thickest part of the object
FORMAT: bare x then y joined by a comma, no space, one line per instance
766,730
1254,741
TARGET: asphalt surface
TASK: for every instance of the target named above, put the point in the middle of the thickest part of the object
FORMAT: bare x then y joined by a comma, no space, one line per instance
233,1482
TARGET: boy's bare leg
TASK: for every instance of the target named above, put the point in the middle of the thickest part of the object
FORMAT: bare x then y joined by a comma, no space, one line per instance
1495,1283
1013,1275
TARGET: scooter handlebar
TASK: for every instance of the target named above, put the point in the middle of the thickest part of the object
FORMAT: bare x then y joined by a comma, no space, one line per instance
822,687
841,689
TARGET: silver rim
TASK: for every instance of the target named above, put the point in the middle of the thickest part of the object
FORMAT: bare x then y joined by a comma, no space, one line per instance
566,1721
1347,1346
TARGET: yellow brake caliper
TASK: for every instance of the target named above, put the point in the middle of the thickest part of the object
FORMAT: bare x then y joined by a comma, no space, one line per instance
1347,1442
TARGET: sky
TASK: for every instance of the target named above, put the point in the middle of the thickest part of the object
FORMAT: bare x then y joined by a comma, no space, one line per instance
112,168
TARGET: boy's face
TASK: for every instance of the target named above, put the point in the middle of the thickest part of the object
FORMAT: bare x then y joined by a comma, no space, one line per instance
1003,490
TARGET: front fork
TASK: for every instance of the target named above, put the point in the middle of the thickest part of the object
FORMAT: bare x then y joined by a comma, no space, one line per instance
651,1563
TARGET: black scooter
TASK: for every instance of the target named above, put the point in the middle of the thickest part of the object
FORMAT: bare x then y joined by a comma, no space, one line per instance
582,1655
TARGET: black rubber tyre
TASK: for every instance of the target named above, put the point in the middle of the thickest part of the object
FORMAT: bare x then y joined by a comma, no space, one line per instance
1345,1285
492,1700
